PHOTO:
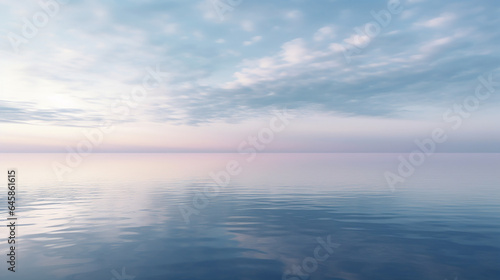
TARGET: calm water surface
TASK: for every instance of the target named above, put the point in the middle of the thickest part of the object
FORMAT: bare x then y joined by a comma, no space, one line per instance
118,216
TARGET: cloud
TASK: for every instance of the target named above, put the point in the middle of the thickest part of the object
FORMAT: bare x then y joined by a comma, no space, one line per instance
248,26
443,19
295,51
254,40
358,40
28,113
430,57
324,33
295,14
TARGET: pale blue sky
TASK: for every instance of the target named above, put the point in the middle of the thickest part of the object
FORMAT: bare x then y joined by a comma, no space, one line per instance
223,75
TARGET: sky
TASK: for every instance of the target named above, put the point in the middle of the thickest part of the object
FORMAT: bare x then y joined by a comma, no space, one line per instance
205,75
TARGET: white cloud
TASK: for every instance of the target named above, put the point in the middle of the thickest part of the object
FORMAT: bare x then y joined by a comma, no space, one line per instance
294,51
247,26
198,35
358,40
295,14
207,9
290,61
406,14
324,33
170,28
252,41
438,21
433,45
335,47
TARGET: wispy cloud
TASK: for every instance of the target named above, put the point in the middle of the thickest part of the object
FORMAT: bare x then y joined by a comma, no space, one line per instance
264,55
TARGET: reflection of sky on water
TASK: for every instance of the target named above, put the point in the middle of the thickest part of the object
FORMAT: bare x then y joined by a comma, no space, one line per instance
119,211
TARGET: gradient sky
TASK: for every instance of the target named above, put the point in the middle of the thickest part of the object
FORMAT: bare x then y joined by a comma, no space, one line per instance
225,76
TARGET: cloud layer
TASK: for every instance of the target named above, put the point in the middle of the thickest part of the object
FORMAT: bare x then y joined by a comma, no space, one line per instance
331,57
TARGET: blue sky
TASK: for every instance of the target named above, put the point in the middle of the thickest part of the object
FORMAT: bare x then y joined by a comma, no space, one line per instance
224,75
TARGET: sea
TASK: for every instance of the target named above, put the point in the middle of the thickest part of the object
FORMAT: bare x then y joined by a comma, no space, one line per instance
270,217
